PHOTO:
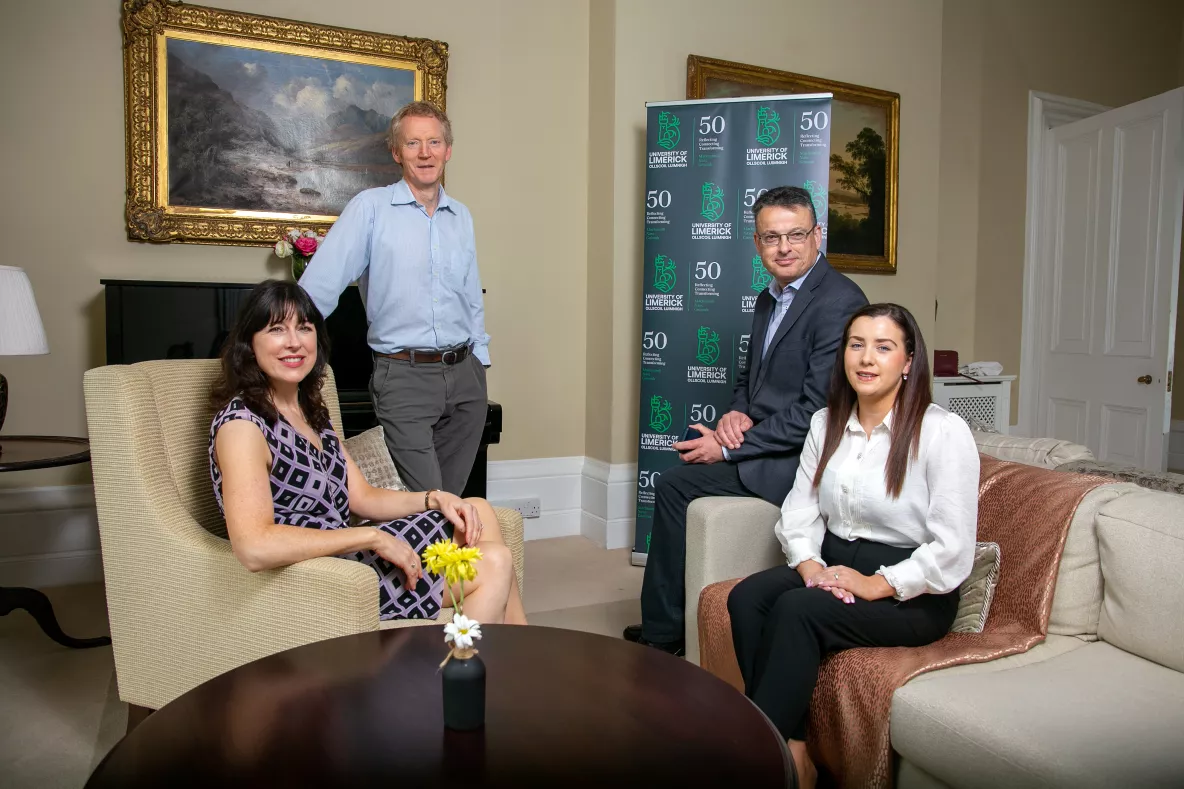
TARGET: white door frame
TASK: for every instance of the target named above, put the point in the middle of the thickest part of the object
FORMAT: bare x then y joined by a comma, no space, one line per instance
1045,111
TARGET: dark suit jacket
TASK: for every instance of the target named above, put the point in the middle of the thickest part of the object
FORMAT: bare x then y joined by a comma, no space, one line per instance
783,390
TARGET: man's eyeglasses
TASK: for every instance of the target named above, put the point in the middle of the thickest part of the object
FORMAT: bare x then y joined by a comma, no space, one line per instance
794,236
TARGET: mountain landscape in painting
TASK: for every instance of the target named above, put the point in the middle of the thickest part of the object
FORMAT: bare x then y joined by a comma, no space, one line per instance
263,131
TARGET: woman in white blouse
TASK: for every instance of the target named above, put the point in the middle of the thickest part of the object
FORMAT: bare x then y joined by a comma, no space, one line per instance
878,530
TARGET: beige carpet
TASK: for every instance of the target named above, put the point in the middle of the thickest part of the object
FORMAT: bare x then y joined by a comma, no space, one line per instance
60,711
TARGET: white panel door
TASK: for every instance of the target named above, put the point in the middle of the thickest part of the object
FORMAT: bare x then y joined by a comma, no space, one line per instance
1110,256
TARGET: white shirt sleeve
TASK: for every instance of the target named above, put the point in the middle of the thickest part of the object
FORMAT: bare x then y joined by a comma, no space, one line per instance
942,563
802,527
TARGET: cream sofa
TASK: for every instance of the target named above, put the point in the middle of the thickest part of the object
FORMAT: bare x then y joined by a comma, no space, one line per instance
1100,703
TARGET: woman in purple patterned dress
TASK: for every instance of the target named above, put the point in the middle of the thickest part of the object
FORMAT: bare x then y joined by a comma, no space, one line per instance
287,486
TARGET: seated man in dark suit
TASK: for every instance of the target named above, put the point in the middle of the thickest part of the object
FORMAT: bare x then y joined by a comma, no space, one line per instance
797,327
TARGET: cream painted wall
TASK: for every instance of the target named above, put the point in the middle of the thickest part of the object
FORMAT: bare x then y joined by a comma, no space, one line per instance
518,98
963,44
1081,49
601,170
896,46
556,185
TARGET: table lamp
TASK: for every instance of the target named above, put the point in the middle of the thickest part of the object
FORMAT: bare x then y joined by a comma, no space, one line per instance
21,333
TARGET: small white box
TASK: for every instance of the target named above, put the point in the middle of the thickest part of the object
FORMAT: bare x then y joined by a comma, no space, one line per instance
985,402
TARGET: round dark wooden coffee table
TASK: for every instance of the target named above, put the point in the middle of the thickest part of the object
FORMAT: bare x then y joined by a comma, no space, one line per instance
562,707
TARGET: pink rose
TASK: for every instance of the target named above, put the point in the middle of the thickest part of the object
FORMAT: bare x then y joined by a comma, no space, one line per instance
305,245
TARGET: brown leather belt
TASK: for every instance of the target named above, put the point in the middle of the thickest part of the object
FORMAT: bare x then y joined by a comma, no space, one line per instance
451,356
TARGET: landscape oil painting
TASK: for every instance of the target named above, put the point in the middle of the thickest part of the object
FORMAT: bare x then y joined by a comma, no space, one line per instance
240,127
861,210
254,130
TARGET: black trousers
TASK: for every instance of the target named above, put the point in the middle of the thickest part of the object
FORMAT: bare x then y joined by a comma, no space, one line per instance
782,630
663,589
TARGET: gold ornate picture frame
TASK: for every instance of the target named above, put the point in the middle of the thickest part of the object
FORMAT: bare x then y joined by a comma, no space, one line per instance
865,155
240,126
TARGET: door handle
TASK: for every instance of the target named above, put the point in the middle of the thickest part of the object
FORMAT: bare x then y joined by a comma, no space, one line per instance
1144,379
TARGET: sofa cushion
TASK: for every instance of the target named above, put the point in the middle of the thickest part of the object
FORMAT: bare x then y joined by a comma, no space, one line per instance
1049,648
1077,600
369,452
1166,481
1043,452
1094,717
976,592
1141,544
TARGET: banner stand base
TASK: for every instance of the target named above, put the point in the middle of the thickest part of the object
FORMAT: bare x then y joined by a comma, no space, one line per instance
638,559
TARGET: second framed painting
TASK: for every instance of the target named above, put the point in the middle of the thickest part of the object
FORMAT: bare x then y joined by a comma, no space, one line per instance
865,139
241,126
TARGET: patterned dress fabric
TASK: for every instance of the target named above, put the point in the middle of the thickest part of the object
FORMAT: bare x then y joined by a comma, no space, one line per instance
308,488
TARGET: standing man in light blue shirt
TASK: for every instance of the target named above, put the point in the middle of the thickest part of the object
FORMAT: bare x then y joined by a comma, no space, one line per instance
411,249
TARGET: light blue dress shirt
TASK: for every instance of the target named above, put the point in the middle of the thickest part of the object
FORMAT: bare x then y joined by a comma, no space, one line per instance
417,273
783,297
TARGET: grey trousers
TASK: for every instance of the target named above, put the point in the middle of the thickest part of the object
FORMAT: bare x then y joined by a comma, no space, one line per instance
432,416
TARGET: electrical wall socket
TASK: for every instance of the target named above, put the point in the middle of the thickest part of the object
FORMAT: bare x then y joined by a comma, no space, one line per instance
528,507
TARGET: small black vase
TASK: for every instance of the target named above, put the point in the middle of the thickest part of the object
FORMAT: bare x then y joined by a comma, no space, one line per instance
464,693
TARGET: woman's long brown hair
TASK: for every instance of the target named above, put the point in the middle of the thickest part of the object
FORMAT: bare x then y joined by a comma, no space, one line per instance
272,301
912,399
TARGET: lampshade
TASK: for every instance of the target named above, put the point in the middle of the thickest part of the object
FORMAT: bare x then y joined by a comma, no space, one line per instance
21,332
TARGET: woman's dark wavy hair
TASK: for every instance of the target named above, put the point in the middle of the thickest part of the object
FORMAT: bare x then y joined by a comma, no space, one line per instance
272,301
912,399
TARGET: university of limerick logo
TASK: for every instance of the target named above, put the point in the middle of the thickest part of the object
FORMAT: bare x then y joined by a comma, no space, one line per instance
665,274
660,418
818,195
768,126
708,350
713,202
760,276
668,134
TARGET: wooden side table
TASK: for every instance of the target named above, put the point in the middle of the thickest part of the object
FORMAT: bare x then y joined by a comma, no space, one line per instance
22,453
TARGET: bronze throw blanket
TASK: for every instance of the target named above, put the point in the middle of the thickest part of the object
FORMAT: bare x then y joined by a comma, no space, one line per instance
1027,510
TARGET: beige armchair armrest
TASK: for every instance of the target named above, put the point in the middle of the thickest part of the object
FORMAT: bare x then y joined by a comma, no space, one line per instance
191,611
727,537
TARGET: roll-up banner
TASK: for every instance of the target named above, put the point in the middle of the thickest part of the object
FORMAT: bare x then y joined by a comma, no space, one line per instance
707,162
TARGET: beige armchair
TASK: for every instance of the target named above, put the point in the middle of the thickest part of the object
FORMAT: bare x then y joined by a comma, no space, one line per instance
182,608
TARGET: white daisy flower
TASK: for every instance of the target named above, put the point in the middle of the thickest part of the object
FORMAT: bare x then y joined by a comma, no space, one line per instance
462,631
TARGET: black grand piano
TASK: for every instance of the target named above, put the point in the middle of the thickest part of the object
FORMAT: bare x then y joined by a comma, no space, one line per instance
190,320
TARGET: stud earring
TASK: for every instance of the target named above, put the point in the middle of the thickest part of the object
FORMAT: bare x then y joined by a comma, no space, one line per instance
905,376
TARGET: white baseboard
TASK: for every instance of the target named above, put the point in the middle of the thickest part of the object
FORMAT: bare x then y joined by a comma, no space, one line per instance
608,500
49,536
555,482
577,495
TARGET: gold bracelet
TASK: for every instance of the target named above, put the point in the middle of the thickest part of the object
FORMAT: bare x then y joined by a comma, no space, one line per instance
426,496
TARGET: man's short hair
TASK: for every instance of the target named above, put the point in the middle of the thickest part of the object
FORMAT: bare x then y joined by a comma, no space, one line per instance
785,197
417,109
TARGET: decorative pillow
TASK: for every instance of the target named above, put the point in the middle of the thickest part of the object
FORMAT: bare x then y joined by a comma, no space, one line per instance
977,591
370,454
